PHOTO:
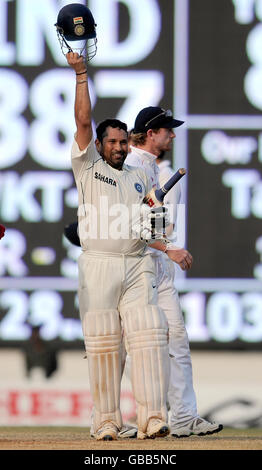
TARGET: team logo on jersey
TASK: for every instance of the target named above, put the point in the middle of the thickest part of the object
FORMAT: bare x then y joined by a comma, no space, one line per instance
138,187
105,179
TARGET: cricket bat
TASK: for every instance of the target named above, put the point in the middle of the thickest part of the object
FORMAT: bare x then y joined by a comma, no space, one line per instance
155,197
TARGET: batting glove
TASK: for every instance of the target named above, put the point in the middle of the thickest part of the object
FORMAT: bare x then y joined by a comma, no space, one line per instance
151,224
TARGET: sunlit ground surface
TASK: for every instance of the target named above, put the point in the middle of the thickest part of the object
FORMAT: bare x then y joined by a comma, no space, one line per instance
74,438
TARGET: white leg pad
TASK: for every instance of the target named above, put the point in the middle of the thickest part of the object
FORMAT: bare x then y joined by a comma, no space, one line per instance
146,333
102,335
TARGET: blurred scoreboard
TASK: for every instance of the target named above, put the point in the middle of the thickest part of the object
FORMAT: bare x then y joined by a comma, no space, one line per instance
204,60
218,93
38,269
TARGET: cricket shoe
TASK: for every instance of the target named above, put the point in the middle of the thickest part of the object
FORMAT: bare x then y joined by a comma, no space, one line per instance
198,427
126,432
107,432
155,428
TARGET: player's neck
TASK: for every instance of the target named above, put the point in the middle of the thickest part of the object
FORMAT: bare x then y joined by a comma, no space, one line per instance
148,148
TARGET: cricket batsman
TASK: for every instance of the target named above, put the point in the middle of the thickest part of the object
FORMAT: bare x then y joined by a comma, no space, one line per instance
116,277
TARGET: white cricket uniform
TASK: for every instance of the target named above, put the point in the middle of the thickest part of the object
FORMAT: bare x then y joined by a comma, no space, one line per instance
117,282
181,395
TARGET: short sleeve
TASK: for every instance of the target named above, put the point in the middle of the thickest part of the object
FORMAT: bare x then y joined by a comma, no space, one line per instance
82,158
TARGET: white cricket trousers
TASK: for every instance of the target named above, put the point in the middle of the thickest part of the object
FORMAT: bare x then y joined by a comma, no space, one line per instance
115,288
181,395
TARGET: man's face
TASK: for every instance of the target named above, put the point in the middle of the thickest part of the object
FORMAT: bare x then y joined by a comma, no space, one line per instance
114,147
162,140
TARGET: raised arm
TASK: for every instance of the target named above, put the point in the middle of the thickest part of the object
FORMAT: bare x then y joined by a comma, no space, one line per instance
82,100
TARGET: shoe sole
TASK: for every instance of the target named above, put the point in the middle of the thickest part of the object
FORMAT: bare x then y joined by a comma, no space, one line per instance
107,437
220,427
120,436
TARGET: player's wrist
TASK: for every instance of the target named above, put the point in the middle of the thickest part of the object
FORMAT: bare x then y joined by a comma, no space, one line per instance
169,247
81,81
81,72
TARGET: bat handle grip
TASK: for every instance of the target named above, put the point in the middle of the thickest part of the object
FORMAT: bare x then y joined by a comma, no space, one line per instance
160,193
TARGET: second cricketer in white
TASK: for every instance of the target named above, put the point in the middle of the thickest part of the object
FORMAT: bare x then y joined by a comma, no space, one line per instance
116,277
154,136
181,395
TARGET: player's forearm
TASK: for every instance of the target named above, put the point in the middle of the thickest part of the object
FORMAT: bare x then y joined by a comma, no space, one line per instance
82,101
83,111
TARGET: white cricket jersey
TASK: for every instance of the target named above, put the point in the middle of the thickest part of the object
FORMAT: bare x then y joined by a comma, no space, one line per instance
146,160
107,200
159,175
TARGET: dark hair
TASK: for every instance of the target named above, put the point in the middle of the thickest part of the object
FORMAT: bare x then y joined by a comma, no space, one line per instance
103,125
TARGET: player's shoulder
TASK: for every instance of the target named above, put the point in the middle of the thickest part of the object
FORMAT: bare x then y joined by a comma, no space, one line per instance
133,159
138,174
89,149
135,169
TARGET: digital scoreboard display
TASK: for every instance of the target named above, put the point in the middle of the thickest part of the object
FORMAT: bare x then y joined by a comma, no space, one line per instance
218,62
202,59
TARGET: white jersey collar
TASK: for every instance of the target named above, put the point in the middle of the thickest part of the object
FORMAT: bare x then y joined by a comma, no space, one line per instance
149,157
